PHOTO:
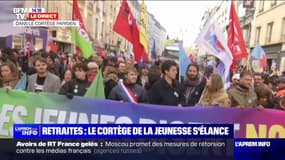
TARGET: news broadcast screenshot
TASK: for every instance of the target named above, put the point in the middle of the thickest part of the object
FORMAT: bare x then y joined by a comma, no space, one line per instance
142,80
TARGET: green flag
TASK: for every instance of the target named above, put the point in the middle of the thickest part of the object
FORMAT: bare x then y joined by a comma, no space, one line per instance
96,89
80,35
82,43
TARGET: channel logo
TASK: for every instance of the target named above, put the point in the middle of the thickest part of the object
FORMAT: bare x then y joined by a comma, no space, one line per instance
27,131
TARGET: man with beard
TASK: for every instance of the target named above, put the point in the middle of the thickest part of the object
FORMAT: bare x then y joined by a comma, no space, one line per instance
243,95
122,69
194,84
43,80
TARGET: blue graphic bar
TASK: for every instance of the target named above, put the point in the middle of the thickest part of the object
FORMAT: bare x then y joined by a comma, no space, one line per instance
123,131
259,149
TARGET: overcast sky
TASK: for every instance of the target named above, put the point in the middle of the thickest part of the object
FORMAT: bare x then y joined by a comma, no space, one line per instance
177,16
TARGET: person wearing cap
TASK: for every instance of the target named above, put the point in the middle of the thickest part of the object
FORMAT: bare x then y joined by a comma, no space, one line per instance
92,71
235,80
242,95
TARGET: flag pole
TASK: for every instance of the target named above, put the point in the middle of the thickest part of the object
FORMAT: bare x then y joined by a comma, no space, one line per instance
248,66
73,40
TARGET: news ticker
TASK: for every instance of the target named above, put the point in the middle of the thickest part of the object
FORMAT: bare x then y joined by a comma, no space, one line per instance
123,131
137,141
152,148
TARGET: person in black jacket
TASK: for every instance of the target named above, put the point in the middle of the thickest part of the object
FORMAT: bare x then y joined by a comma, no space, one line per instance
167,91
143,78
110,79
79,84
129,82
194,84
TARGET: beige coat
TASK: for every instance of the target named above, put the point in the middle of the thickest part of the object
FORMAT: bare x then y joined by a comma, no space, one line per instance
219,98
241,97
51,84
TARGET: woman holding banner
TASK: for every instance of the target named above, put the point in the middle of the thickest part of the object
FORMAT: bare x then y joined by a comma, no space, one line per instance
214,94
79,84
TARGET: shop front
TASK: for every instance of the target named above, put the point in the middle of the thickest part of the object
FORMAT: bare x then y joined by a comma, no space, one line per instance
282,59
62,38
35,37
274,56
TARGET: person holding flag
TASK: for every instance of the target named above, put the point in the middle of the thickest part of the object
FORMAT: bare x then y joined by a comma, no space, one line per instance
127,90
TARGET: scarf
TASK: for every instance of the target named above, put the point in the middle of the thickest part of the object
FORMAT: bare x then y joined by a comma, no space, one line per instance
191,85
112,77
9,82
193,82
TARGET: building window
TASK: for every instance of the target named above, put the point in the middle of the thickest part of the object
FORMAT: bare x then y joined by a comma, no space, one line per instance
273,3
97,26
104,5
269,32
90,24
283,29
257,35
103,27
261,5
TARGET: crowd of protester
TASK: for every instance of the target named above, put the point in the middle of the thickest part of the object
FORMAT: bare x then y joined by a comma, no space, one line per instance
157,83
